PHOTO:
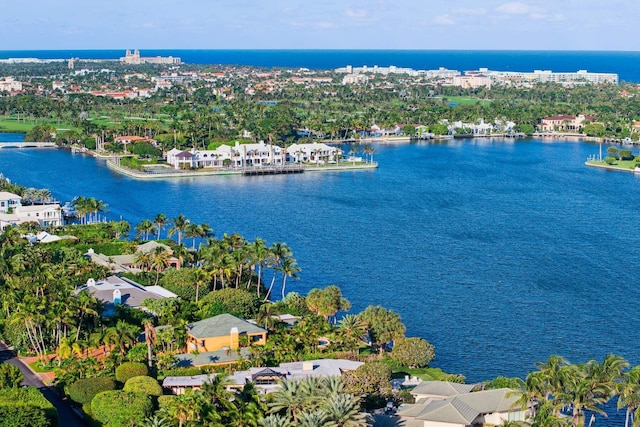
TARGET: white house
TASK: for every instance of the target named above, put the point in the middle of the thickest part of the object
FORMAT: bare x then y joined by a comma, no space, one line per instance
463,409
240,155
13,213
315,152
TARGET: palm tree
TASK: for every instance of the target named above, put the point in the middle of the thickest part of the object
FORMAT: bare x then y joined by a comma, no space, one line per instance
288,268
275,420
201,277
278,252
145,227
260,253
159,261
629,398
180,225
344,411
160,222
150,340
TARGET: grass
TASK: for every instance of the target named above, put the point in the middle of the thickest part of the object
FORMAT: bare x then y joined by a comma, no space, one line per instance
12,125
465,100
620,164
37,367
425,374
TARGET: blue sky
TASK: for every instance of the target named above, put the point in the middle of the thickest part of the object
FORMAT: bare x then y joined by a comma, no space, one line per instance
320,24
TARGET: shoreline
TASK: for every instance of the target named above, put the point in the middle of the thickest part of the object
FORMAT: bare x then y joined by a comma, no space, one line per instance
608,167
238,172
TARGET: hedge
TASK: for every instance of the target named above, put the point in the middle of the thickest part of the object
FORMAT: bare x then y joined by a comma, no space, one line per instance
129,370
26,397
24,416
118,408
143,385
83,390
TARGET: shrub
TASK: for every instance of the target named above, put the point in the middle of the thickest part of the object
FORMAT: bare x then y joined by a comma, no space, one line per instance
10,376
413,352
165,401
609,160
28,397
23,416
181,282
129,370
144,385
117,408
83,390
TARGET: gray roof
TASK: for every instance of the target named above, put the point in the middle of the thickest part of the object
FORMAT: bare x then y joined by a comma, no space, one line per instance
131,293
192,381
220,326
442,388
463,408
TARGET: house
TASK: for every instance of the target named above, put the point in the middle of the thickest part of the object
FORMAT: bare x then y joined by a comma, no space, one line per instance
127,262
472,409
239,155
12,212
564,123
115,290
222,332
315,152
439,390
266,379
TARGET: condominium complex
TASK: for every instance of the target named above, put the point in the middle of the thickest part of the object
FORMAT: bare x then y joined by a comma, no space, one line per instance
547,76
134,58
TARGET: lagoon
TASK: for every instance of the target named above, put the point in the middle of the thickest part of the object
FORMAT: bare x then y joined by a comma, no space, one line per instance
499,252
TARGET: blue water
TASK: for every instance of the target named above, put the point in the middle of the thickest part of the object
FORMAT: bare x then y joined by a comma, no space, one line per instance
499,253
626,64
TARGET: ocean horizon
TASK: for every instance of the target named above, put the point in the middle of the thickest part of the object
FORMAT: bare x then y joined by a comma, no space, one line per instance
625,63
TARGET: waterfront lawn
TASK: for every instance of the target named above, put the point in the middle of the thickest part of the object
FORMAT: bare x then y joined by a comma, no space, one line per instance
619,164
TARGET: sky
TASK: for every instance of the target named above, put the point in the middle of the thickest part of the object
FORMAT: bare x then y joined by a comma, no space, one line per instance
320,24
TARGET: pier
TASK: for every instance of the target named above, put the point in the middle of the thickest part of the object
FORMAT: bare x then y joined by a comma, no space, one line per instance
272,170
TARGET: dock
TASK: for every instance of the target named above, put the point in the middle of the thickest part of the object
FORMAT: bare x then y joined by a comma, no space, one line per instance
272,170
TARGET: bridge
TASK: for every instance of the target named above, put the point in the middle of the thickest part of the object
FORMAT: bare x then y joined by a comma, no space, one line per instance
19,144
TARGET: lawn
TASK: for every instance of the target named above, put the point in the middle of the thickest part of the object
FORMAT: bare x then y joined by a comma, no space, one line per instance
465,100
12,125
619,164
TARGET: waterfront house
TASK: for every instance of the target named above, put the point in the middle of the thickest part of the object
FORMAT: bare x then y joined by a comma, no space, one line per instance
12,212
315,153
222,332
115,290
475,409
564,123
239,155
266,379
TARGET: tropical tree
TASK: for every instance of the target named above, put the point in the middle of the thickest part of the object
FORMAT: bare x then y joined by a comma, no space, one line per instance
180,224
160,222
288,268
144,228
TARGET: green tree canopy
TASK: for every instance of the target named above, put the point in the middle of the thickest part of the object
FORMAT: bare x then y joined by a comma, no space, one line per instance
413,352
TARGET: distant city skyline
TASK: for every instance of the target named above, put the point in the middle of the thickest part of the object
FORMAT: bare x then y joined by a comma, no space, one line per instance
328,24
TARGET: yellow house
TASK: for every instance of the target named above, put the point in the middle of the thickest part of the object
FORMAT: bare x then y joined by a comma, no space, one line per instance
222,332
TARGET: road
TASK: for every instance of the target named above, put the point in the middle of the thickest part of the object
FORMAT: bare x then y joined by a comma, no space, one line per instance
66,416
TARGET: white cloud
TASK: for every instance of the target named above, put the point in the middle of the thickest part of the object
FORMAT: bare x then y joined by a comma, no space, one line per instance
546,17
468,11
518,8
444,20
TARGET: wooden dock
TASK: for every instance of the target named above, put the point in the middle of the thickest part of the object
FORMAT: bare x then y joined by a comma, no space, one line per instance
272,170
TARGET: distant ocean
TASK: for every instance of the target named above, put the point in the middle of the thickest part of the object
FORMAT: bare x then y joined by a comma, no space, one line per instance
626,64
